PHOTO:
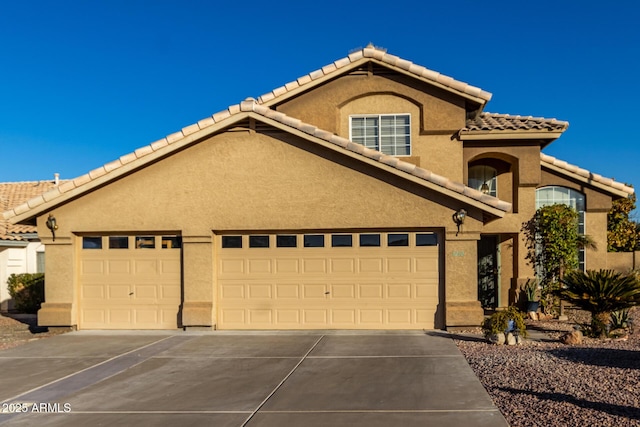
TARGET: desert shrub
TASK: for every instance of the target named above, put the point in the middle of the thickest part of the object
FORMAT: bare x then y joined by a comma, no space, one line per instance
498,322
601,293
620,319
27,291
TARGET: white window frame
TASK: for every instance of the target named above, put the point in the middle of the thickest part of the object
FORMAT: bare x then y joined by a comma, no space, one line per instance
379,135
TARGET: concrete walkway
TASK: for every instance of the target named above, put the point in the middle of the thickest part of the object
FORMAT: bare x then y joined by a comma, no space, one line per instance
242,379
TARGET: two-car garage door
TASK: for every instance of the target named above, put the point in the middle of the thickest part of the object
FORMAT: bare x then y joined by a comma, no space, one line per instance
386,280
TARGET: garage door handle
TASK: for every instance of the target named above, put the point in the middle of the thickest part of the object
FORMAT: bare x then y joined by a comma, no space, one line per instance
327,293
130,293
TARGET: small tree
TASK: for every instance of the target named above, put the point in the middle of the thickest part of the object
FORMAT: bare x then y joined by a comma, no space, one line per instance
623,234
553,241
600,293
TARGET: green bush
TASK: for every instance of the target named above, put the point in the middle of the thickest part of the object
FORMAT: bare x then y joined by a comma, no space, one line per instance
498,322
27,291
600,293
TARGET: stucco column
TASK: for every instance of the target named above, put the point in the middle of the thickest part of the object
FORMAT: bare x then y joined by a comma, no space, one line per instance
461,285
60,306
198,276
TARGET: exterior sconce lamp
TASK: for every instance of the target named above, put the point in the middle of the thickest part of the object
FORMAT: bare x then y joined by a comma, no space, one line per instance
485,188
52,225
458,218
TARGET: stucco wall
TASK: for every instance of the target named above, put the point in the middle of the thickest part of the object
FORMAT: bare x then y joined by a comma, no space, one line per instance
435,115
242,181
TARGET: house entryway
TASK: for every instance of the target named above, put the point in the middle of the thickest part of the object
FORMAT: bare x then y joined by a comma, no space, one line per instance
488,271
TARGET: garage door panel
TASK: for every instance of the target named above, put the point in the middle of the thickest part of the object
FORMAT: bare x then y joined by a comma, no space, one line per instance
399,265
287,266
259,266
92,266
287,291
118,266
313,266
314,291
260,318
372,290
400,316
145,267
93,292
399,290
232,266
118,291
371,265
343,291
343,265
232,291
314,316
289,317
259,291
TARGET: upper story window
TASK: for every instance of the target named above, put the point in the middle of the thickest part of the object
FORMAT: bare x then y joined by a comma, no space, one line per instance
484,178
388,133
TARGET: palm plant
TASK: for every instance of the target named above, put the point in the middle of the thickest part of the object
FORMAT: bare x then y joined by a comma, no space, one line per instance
600,293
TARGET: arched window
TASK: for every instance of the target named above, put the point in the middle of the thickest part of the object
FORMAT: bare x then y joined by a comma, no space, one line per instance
484,178
553,195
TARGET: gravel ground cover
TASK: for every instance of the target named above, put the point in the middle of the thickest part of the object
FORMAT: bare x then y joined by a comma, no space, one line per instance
19,329
546,383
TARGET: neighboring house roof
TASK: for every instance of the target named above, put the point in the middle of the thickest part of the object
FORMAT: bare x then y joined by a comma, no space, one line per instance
380,56
13,194
607,184
505,126
234,114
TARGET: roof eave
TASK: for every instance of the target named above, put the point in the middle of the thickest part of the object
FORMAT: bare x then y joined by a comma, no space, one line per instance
101,176
504,135
587,180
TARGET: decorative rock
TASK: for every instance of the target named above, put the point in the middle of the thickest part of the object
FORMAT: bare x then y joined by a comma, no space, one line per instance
572,338
497,339
511,339
519,340
533,315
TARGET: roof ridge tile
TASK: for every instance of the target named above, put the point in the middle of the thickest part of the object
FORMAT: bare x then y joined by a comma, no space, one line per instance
381,55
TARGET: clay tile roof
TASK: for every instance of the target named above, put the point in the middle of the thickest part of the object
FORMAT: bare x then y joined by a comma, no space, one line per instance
379,157
585,175
14,194
505,122
392,61
249,105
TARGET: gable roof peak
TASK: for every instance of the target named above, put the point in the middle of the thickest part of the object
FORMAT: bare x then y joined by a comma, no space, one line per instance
380,55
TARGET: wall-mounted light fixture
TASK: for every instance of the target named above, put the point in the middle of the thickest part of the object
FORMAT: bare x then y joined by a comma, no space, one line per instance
52,225
484,188
458,218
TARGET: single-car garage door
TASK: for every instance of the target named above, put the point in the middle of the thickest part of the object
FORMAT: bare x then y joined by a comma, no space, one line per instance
129,282
372,280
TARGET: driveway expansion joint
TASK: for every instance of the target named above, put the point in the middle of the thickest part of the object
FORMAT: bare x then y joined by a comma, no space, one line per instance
283,381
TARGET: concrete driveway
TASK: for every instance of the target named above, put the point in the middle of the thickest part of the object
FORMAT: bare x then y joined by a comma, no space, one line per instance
242,379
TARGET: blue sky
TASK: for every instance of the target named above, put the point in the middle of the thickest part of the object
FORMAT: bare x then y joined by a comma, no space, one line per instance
84,82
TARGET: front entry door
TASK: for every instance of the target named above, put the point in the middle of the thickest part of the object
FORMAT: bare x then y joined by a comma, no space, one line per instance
488,271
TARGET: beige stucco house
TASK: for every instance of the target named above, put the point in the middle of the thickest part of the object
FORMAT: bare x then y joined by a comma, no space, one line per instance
333,202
